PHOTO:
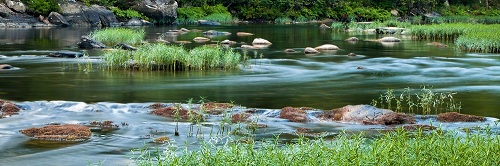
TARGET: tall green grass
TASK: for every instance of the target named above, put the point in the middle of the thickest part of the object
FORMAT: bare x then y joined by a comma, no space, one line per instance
424,101
469,19
393,148
113,36
173,58
468,37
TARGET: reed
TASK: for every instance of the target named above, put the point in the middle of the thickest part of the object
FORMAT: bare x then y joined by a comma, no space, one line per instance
397,147
173,58
438,31
224,18
114,36
423,102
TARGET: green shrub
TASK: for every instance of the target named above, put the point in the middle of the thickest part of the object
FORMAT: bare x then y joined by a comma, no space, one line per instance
194,13
42,7
127,14
219,17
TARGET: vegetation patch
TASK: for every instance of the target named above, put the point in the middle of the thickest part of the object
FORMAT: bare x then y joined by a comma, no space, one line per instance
114,36
177,112
172,58
468,37
397,147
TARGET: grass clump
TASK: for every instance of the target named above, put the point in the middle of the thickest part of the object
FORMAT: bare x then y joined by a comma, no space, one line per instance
423,102
468,37
113,36
393,148
173,58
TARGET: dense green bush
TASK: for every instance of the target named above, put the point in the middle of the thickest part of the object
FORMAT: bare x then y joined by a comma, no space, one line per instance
42,7
127,14
190,15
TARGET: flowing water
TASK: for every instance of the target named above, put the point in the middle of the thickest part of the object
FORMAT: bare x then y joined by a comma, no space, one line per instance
58,91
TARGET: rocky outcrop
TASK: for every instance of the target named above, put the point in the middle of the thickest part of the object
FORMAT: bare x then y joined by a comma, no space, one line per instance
87,16
57,19
67,132
88,43
160,11
65,54
458,117
16,6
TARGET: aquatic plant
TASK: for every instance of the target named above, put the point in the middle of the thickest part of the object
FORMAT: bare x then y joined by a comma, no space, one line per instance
468,37
173,58
114,36
424,102
397,147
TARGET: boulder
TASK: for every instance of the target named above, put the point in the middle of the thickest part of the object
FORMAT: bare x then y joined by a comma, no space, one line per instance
458,117
289,50
16,6
215,33
4,11
324,26
352,54
389,39
88,43
134,22
293,114
87,16
160,11
366,114
394,13
208,23
310,50
227,42
124,46
260,41
201,39
67,132
57,19
172,111
65,54
5,66
352,39
243,34
7,109
388,30
327,47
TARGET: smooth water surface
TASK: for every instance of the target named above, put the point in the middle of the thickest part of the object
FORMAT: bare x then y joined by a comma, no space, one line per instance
271,79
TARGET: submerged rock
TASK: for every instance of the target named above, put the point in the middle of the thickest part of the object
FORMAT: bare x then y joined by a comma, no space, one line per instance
161,140
215,33
260,41
327,47
5,66
8,108
215,108
243,34
88,43
208,22
324,26
389,39
293,114
106,125
352,39
352,54
458,117
157,105
366,114
437,44
65,54
201,39
290,50
66,132
310,50
241,117
124,46
227,42
173,111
